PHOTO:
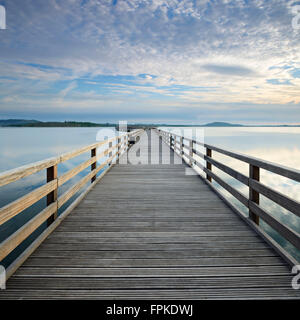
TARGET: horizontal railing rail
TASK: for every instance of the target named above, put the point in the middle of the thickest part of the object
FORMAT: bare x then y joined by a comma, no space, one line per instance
50,191
256,188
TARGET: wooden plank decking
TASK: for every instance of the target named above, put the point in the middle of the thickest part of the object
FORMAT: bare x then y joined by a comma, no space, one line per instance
151,231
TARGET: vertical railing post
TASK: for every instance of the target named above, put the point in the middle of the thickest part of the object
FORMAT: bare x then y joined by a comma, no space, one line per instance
208,165
52,196
253,195
124,148
110,153
181,146
94,165
127,141
170,140
191,152
118,149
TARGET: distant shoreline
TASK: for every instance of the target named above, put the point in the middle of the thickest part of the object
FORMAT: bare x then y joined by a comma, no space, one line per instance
17,123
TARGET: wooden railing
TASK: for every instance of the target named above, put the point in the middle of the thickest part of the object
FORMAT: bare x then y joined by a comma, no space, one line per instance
50,191
256,188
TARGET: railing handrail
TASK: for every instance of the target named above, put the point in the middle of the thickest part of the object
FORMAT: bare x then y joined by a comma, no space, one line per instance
50,190
279,169
253,182
18,173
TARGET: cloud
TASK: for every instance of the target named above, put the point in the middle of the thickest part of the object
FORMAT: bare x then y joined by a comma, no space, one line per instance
279,82
69,88
229,70
181,52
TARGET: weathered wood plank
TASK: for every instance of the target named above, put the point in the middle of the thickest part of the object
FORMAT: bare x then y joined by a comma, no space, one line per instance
238,195
161,294
276,196
179,228
17,206
153,254
73,172
26,170
21,234
162,234
153,223
136,244
76,262
288,233
53,272
256,281
73,190
233,173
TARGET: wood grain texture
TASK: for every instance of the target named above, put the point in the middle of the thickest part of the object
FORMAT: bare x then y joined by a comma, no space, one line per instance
237,194
152,232
235,174
276,196
287,172
15,207
21,234
288,233
254,175
26,170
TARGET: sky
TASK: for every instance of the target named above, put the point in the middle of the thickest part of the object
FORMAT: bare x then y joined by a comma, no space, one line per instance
151,61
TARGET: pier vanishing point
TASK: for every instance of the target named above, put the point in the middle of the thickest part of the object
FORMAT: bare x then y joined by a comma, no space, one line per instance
149,230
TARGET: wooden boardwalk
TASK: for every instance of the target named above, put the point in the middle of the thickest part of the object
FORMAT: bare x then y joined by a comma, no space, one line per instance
151,231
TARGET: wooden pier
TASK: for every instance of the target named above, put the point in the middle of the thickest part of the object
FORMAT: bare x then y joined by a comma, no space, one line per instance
150,231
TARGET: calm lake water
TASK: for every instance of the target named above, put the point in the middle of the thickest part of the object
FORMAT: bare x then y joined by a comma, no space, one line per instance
20,146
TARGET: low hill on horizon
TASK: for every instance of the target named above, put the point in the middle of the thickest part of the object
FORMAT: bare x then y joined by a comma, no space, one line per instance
222,124
58,124
21,122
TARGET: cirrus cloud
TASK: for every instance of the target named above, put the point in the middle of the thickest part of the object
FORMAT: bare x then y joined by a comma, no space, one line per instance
196,54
